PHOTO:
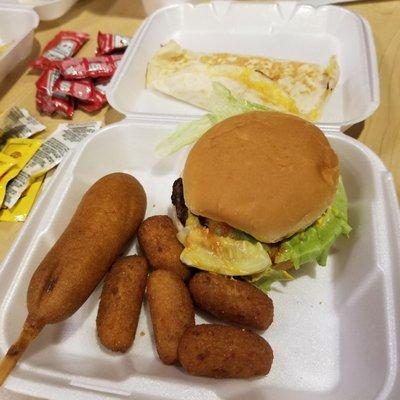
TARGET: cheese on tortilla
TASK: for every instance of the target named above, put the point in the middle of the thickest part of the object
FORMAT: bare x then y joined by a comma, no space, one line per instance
289,86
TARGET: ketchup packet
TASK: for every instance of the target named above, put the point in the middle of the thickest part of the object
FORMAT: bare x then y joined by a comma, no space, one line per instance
108,43
93,67
97,102
64,45
81,89
50,105
47,80
51,83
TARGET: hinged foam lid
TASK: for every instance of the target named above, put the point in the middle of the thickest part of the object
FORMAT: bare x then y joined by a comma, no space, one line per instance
283,30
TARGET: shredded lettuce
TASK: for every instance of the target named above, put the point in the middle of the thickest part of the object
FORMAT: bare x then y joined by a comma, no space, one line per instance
222,105
315,241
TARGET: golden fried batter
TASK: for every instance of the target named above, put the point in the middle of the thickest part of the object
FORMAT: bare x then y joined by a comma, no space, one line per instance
232,300
121,301
219,351
171,311
157,239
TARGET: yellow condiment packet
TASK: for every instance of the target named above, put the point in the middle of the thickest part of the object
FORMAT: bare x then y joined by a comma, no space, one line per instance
21,150
21,209
6,162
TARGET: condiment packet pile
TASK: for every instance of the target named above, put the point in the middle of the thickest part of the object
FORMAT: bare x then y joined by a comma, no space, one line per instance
24,161
67,83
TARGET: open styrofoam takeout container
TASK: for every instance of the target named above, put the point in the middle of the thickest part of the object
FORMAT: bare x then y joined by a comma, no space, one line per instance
283,30
47,9
17,25
336,329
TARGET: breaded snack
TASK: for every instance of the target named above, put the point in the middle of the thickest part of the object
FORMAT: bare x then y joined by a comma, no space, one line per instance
171,311
103,224
232,300
121,302
219,351
157,239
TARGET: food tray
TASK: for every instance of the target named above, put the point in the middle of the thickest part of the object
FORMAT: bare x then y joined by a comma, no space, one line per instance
17,25
49,10
336,330
283,30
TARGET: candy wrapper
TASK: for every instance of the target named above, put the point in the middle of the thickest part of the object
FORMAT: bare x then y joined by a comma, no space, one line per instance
108,43
51,83
49,105
21,151
64,45
18,123
93,67
50,154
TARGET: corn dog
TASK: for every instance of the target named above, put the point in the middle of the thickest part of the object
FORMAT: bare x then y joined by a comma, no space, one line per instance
157,239
171,311
220,351
232,300
103,224
121,301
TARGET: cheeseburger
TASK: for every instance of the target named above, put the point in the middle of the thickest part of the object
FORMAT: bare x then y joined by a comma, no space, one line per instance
260,194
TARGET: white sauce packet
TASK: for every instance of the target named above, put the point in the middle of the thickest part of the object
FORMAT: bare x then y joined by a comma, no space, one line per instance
49,155
18,123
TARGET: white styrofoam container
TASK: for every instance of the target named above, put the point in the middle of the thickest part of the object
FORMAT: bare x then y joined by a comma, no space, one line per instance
49,9
336,329
17,25
283,30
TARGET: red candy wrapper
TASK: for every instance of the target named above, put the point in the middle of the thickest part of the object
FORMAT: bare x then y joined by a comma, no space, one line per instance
108,43
64,45
93,67
50,105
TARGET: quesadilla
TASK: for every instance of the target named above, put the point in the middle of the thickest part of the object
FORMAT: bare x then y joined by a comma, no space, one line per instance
293,87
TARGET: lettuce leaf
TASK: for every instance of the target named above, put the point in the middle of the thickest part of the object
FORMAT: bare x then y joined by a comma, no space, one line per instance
222,105
315,241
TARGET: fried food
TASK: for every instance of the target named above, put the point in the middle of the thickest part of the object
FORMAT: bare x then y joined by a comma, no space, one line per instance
171,311
157,239
232,300
103,224
121,301
219,351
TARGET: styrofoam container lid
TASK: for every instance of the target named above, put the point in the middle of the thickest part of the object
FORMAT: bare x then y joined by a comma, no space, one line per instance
47,9
17,25
336,329
283,30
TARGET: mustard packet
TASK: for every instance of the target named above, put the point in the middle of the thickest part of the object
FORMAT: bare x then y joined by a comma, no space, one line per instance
21,209
21,150
6,162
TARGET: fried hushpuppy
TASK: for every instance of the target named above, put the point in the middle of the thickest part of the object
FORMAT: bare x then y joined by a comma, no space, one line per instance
232,300
103,224
219,351
171,311
157,239
121,302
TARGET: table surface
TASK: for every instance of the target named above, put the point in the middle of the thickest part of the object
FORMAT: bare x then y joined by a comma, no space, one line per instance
381,132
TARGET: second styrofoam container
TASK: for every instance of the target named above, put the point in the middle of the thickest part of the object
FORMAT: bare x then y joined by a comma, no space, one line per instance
47,9
336,329
282,30
17,25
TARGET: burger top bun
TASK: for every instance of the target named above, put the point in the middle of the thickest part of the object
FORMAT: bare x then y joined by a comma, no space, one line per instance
268,174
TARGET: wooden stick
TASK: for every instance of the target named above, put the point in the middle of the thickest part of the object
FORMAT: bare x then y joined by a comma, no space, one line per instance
29,333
